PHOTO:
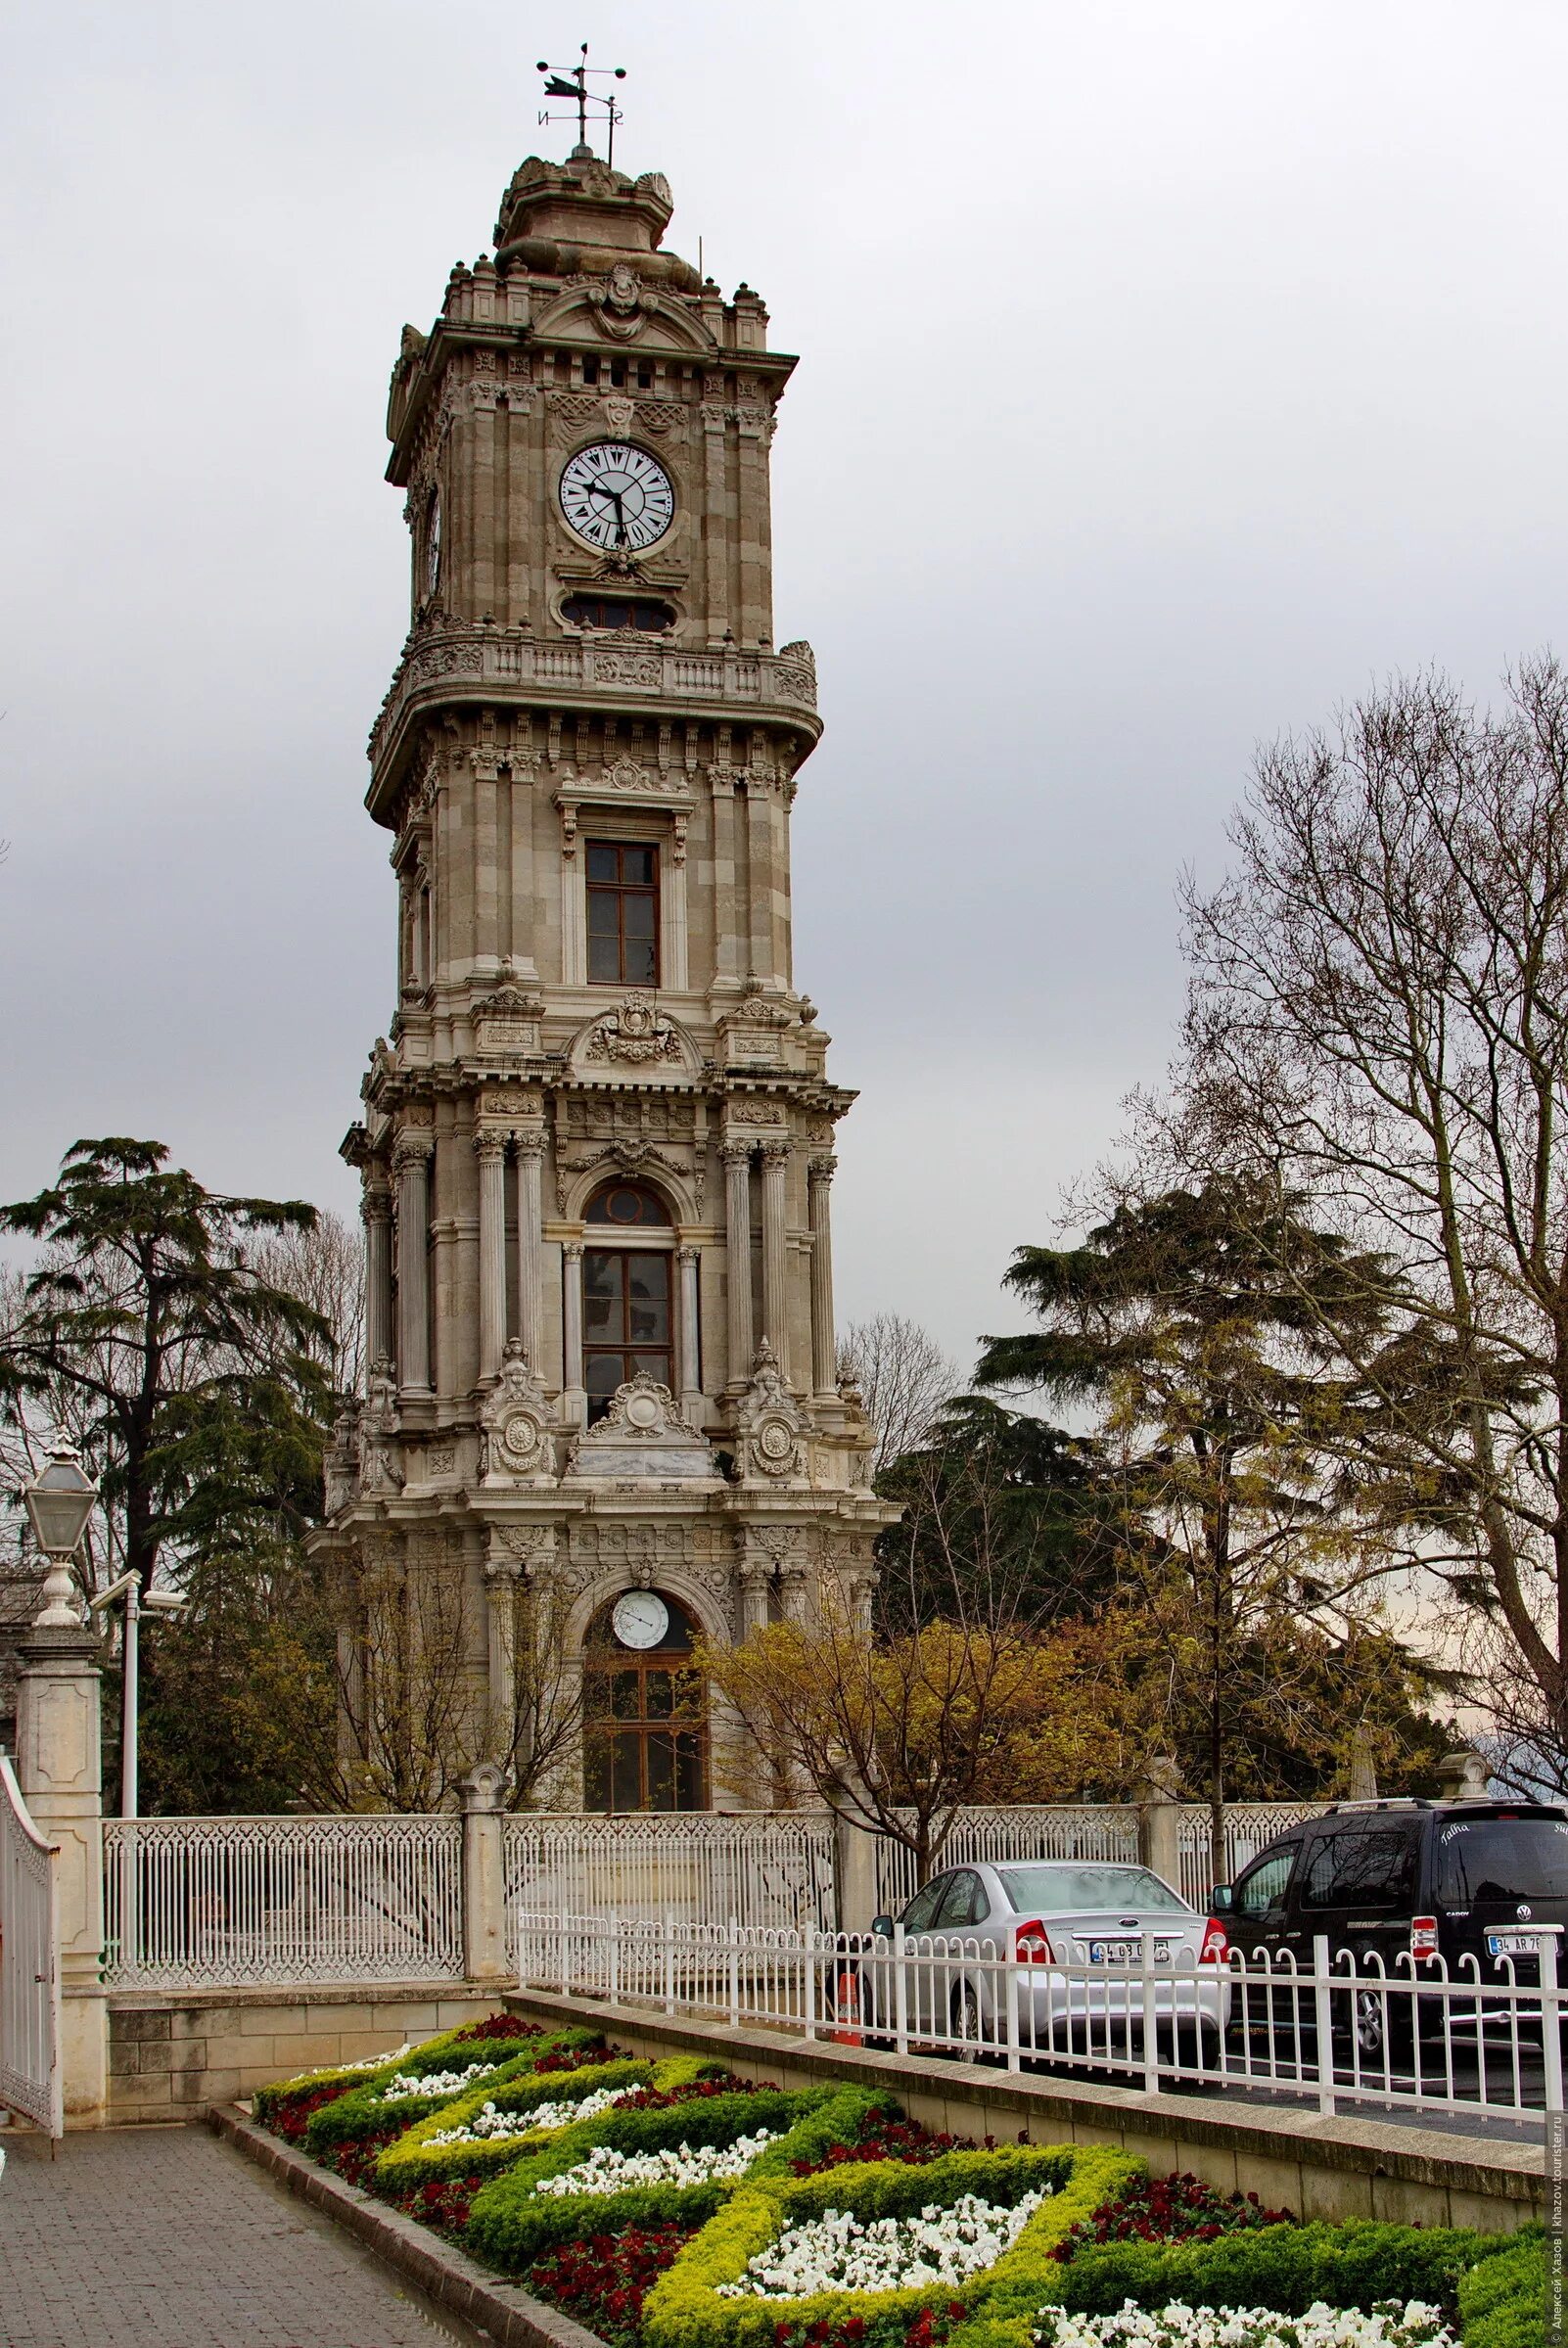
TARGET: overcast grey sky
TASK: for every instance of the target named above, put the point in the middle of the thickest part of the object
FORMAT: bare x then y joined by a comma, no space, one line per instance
1167,375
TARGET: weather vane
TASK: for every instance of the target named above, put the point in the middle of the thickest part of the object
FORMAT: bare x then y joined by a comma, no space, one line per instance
572,81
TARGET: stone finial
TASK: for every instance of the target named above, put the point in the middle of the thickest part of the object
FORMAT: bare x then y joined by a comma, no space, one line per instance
1463,1776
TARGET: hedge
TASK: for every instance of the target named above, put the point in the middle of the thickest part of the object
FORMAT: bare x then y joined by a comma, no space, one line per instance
511,2225
1502,2300
684,2309
413,2160
362,2109
1287,2268
428,2055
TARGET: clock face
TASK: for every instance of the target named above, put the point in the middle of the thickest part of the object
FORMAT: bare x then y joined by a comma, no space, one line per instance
640,1619
617,497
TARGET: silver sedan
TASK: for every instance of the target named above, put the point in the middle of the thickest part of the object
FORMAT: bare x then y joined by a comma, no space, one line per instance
1100,1945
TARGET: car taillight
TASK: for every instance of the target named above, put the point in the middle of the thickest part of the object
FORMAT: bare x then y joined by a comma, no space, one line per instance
1216,1943
1423,1936
1031,1944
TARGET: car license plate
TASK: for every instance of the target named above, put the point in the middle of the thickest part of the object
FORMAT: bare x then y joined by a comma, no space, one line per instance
1126,1951
1513,1944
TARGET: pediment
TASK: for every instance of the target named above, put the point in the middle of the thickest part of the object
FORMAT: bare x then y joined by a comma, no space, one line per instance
650,324
635,1034
642,1438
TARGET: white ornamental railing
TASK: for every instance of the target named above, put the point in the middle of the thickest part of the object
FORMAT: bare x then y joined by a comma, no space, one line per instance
1419,2037
235,1902
1082,1830
1248,1826
761,1868
30,2078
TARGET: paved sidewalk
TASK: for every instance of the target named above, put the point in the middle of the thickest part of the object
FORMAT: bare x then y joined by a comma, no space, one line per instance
163,2237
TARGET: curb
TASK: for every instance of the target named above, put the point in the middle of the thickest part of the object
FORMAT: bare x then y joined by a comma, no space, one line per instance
445,2274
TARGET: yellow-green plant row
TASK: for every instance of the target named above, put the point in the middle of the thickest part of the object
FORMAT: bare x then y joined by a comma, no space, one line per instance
414,2160
363,2106
685,2308
344,2077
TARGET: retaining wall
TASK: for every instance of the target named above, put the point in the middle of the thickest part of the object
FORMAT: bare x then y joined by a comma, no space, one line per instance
1344,2167
171,2053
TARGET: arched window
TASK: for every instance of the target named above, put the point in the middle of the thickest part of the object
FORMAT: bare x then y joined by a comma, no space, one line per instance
627,1293
645,1708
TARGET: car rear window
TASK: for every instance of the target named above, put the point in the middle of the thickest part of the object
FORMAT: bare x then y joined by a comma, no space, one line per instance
1502,1858
1059,1889
1367,1866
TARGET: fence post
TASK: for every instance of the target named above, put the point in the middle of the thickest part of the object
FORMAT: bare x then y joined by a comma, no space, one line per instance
1012,1980
565,1953
855,1875
613,1985
1323,2021
1151,2025
484,1955
733,1971
1160,1818
59,1773
1550,2023
667,1936
901,1992
808,1982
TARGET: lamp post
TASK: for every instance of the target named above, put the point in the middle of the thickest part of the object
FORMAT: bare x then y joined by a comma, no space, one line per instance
154,1601
59,1500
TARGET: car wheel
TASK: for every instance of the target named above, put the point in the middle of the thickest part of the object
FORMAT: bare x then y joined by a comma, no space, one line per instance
1378,2035
968,2028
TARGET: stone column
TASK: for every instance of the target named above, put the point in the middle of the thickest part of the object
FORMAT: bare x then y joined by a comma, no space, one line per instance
824,1353
483,1874
59,1773
375,1211
573,902
673,948
1160,1818
691,1392
755,1576
489,1148
574,1399
500,1612
411,1157
529,1249
775,1257
737,1157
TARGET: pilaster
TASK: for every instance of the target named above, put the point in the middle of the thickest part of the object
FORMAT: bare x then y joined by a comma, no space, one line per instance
60,1771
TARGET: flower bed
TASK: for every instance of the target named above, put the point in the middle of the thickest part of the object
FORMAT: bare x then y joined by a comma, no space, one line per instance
672,2205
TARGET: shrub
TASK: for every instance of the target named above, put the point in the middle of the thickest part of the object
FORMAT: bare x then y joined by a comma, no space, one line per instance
415,2160
1502,2299
362,2109
1171,2209
512,2224
685,2308
1286,2267
286,2105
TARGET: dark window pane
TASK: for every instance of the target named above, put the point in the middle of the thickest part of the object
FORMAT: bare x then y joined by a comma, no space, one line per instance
637,864
626,1771
651,1365
602,865
660,1695
626,1695
689,1771
638,967
604,1374
660,1769
639,916
604,959
603,913
601,1273
596,1774
648,1277
650,1324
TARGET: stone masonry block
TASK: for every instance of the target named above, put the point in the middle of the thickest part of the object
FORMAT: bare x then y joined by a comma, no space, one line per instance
1405,2201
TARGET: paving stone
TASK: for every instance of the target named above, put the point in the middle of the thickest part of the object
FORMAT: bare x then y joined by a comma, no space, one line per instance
165,2238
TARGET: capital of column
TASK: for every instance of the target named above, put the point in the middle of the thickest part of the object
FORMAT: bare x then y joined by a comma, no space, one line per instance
688,1254
489,1144
414,1147
737,1153
375,1199
775,1152
823,1169
527,1145
572,1251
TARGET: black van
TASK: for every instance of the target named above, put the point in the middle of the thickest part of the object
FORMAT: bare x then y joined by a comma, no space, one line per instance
1461,1880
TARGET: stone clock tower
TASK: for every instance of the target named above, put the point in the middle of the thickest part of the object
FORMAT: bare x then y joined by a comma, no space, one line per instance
597,1149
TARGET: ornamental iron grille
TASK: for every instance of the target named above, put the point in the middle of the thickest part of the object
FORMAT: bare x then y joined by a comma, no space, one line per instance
31,2077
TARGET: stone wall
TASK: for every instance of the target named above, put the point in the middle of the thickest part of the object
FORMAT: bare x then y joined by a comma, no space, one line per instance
171,2054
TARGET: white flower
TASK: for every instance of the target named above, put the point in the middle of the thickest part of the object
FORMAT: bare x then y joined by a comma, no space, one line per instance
841,2252
434,2083
372,2062
490,2124
1388,2325
606,2171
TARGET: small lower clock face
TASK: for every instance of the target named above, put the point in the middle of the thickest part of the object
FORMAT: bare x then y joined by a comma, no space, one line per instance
640,1619
617,497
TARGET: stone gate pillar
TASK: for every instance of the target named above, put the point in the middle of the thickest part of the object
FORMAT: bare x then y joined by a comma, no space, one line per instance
59,1771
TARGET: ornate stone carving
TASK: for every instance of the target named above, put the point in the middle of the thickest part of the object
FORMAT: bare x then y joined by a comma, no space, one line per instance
642,1438
379,1470
528,1549
627,669
506,1024
340,1464
622,302
637,1032
768,1423
516,1425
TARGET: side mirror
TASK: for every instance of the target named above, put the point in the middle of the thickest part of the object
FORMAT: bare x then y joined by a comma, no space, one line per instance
1223,1899
882,1927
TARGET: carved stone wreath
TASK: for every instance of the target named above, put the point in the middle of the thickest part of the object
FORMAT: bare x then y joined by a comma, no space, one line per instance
637,1032
516,1423
769,1422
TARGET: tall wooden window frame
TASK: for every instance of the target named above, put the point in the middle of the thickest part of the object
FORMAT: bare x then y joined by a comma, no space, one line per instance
616,1247
633,943
645,1721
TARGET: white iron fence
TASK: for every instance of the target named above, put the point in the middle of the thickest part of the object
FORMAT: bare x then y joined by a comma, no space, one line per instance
1419,2037
767,1867
31,2077
231,1902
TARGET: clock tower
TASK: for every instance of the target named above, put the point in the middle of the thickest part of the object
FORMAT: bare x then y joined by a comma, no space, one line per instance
603,1415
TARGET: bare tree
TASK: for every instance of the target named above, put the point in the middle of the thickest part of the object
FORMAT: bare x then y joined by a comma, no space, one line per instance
905,1381
324,1267
1379,1018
